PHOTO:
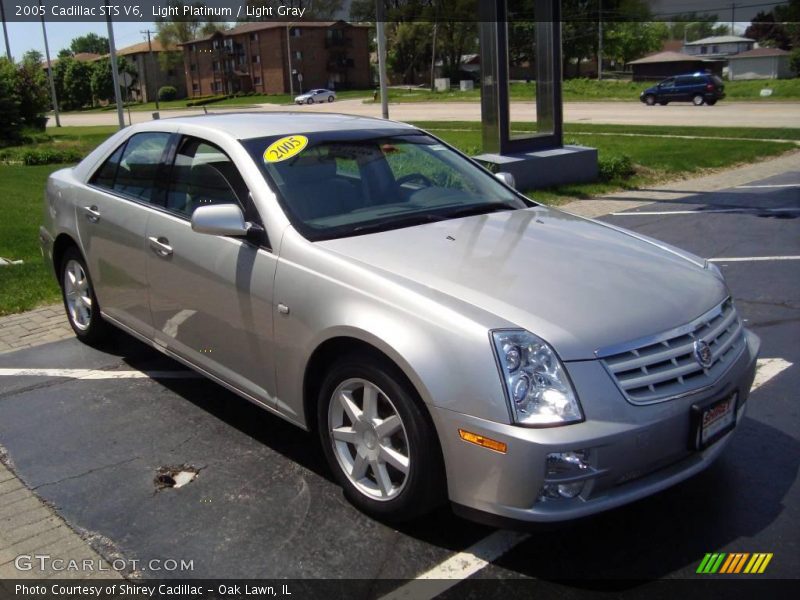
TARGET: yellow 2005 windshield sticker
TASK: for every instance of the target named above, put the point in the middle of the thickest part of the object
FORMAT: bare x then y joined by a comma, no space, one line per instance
284,148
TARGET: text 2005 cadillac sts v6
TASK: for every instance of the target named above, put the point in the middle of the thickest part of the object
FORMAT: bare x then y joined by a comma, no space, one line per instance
444,335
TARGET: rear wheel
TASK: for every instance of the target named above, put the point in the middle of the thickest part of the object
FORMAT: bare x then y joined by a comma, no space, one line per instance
698,100
650,100
663,103
330,98
80,302
711,102
378,440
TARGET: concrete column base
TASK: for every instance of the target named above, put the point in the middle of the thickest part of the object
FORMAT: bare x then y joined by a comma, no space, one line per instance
546,168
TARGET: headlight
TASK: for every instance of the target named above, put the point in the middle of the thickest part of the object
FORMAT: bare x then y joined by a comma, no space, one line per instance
536,382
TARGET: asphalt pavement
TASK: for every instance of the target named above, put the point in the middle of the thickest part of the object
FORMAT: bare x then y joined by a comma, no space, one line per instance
723,114
264,505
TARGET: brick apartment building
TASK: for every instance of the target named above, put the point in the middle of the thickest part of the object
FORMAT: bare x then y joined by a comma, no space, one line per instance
152,75
257,57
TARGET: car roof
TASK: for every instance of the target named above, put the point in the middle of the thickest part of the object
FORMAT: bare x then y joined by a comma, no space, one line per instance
249,125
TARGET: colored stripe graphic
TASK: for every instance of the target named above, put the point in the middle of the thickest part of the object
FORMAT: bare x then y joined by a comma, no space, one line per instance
711,563
722,563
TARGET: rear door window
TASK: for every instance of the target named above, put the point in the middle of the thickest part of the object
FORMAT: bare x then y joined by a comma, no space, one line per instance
133,169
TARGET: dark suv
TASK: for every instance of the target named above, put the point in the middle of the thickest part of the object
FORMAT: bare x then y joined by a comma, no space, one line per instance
697,88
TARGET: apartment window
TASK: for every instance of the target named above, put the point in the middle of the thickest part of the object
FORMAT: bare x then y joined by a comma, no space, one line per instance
294,32
216,65
193,68
170,72
704,50
216,44
195,87
193,48
217,86
257,80
714,49
298,55
253,37
256,59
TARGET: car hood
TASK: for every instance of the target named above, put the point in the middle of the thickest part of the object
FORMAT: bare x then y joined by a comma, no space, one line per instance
579,284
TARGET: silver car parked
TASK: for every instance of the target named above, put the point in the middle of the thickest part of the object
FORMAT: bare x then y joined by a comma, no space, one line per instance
312,96
445,336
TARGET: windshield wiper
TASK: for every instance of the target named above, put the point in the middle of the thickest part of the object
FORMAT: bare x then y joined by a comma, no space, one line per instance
479,209
409,221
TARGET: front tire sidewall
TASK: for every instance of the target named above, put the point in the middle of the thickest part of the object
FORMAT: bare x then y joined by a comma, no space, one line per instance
310,101
98,328
423,489
698,100
650,100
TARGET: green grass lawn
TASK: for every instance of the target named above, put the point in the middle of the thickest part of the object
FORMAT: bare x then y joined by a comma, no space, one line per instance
657,158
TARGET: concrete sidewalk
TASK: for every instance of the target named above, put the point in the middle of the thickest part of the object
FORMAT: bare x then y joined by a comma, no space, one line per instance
29,527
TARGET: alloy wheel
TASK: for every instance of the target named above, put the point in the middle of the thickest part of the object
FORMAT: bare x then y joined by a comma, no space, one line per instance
369,439
78,293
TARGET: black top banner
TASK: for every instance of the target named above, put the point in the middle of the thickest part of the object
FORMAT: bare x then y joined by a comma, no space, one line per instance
232,11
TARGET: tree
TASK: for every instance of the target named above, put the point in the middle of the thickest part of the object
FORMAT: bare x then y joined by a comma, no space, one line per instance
10,122
693,26
32,88
77,84
171,32
102,78
794,61
91,42
767,32
624,42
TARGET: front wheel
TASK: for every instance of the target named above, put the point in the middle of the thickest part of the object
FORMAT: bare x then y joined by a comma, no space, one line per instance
698,100
330,98
650,100
80,302
378,440
310,101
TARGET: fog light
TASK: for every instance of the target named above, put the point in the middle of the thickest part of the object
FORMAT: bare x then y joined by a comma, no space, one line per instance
561,470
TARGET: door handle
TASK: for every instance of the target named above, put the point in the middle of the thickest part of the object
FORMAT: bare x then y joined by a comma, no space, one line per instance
92,214
160,246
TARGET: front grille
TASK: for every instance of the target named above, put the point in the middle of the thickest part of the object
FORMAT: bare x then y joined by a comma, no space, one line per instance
664,366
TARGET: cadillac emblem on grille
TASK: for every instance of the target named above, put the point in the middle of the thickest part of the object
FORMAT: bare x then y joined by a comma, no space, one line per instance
702,353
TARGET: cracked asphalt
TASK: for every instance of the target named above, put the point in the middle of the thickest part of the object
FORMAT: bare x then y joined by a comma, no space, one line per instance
265,506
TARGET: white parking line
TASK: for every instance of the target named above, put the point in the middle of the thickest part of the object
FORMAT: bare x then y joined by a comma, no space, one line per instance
752,258
98,374
773,185
458,567
712,211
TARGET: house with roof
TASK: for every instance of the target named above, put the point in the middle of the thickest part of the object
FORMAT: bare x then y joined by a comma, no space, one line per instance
760,63
154,73
277,58
661,65
718,46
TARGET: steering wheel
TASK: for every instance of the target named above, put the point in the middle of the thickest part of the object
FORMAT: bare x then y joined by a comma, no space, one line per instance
415,177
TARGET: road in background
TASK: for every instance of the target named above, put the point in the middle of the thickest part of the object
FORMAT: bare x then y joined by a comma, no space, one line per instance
724,114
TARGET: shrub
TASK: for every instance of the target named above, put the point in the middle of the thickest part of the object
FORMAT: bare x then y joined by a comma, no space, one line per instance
794,61
50,156
204,101
614,167
167,93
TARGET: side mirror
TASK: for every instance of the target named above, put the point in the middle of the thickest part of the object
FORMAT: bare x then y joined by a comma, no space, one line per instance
219,219
506,178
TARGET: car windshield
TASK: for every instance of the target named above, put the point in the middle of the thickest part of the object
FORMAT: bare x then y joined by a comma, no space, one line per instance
352,183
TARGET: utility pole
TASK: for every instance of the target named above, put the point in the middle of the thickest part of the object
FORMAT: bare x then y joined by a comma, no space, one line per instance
733,16
289,60
600,40
433,55
114,72
53,97
380,15
5,29
155,66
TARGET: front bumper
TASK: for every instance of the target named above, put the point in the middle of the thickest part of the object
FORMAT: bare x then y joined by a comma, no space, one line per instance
634,451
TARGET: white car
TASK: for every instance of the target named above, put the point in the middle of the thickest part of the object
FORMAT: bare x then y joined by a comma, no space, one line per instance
319,95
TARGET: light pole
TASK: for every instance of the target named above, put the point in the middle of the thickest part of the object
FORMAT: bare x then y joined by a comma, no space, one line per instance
380,15
53,97
5,29
114,72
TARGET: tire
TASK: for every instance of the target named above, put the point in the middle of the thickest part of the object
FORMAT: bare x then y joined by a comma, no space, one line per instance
663,103
310,101
650,100
330,98
711,102
380,487
698,100
80,302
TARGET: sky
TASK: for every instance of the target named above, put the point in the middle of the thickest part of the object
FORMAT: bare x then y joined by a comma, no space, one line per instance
27,36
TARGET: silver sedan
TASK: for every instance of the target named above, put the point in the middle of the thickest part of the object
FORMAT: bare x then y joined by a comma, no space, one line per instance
312,96
443,335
